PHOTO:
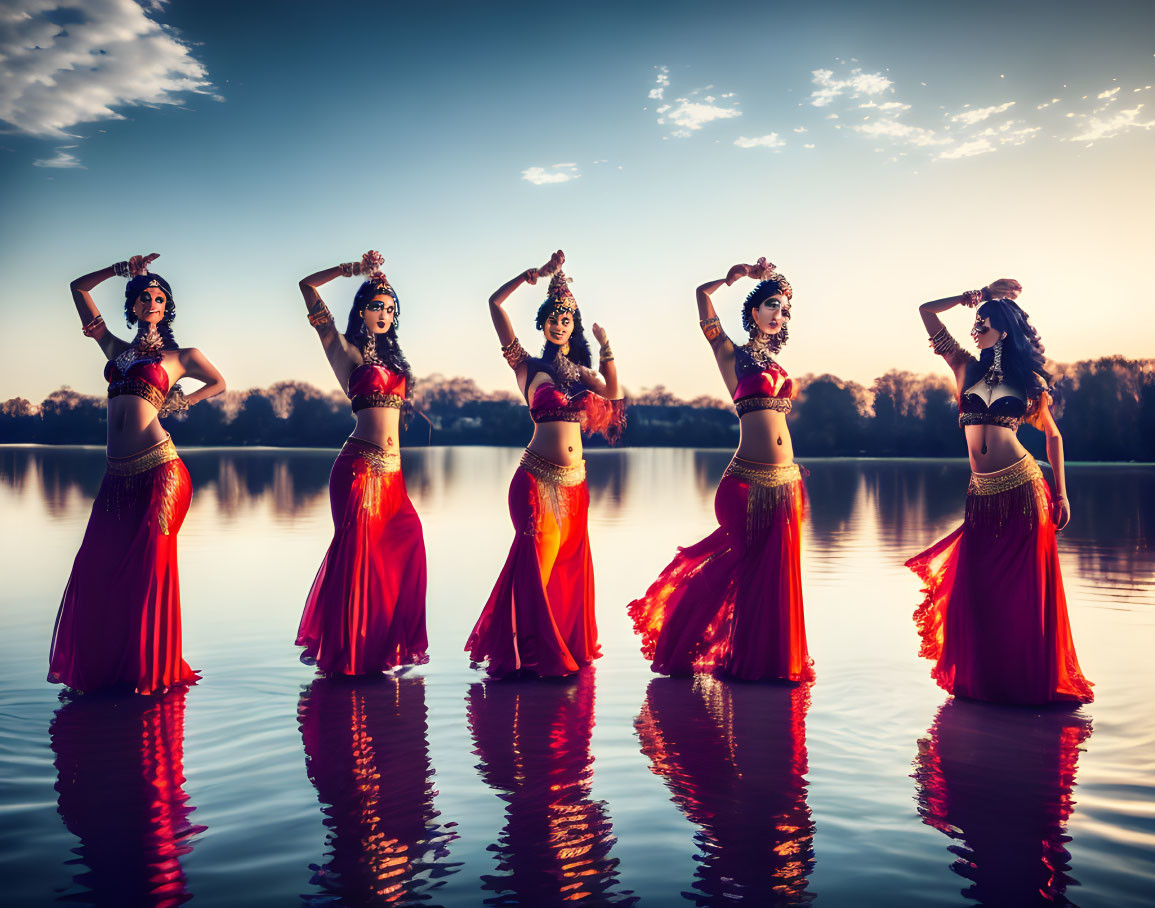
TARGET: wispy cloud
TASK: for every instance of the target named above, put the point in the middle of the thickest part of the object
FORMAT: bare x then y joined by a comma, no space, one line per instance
978,114
1095,128
62,159
854,85
966,150
661,83
555,173
63,63
901,132
772,140
689,114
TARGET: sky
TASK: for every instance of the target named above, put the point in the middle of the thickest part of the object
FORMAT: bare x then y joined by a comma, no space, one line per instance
880,154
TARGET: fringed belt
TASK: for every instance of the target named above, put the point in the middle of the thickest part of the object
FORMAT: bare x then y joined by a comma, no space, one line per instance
161,452
553,473
552,479
993,498
753,404
378,459
127,487
771,486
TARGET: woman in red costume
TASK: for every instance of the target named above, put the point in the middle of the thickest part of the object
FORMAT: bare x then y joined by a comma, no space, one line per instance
732,603
994,620
540,616
119,621
366,610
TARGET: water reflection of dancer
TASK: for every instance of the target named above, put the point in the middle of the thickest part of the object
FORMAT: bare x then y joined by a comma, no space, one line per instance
540,615
998,781
534,743
734,758
119,621
994,619
120,766
733,602
368,755
366,610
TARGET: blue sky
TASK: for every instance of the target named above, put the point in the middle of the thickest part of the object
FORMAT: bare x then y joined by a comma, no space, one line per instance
880,154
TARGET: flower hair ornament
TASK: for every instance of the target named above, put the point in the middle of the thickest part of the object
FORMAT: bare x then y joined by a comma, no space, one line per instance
560,297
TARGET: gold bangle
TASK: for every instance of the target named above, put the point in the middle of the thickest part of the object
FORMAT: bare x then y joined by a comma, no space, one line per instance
91,328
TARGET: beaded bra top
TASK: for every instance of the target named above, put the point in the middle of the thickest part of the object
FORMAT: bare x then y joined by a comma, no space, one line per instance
138,374
1006,408
762,385
562,398
373,385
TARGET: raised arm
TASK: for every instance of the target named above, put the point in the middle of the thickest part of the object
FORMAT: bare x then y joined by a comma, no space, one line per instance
607,383
90,317
501,322
319,315
941,340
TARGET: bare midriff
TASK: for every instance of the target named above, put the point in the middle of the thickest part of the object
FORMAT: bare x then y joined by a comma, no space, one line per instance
379,426
764,438
133,426
557,442
1003,448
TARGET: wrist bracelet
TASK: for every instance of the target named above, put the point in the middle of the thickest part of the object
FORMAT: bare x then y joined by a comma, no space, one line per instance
971,298
346,269
120,269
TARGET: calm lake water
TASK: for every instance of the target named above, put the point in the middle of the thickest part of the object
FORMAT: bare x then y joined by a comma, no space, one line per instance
266,786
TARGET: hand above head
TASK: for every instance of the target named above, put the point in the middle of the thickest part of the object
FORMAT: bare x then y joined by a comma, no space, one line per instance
555,261
1004,288
138,264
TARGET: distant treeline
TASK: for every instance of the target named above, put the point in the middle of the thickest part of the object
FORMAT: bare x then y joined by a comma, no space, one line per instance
1106,411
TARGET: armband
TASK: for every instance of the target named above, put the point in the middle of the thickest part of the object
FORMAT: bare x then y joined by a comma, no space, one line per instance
320,316
942,343
514,353
93,326
711,327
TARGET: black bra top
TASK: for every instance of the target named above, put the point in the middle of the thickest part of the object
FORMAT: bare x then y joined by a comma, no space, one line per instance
1009,405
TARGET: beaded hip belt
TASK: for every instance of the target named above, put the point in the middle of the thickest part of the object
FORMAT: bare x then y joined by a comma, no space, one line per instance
553,473
161,452
767,475
379,460
1017,474
753,404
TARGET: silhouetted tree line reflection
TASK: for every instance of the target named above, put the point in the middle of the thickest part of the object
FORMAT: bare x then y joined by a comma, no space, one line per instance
1106,410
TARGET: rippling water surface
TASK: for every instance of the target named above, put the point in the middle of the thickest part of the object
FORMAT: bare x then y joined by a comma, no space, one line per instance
264,785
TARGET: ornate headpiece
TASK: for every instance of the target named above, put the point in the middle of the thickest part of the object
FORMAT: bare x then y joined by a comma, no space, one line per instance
560,298
767,271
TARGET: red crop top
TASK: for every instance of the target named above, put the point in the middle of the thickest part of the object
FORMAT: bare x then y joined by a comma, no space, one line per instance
372,385
144,378
761,386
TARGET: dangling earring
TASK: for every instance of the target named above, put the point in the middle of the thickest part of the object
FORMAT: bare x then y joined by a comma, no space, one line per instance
995,373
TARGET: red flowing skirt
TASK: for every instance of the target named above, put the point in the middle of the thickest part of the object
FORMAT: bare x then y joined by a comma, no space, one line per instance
994,618
732,603
119,621
540,615
366,610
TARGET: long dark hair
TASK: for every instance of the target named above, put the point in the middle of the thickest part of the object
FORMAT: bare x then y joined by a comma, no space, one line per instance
388,347
762,292
1022,357
579,347
134,288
